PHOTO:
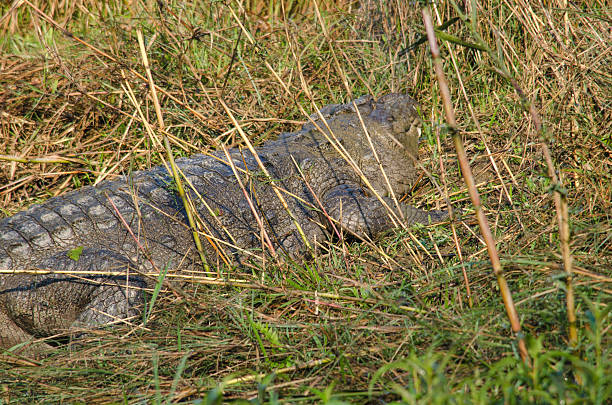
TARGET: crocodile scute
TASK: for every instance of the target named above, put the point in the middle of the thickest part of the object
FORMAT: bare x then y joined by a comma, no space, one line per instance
136,224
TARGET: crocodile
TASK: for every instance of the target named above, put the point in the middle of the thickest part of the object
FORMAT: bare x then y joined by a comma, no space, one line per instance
281,199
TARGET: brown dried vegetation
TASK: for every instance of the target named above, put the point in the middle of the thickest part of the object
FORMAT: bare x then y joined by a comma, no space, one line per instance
67,68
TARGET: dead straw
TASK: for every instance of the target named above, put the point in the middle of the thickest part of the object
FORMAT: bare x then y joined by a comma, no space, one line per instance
114,59
559,192
175,174
469,180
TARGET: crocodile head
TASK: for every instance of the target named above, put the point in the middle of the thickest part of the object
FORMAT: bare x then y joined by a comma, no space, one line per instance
393,126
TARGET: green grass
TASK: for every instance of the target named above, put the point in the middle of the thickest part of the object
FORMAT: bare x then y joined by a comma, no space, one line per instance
388,323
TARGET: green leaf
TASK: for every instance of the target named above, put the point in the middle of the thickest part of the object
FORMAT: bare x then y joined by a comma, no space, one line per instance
158,286
456,40
75,253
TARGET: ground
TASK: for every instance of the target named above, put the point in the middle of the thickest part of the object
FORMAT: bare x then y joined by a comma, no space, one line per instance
386,321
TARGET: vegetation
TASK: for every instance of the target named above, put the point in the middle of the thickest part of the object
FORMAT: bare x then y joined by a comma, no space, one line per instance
416,317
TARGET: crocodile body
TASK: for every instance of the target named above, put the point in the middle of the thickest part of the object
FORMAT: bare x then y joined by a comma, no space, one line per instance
136,224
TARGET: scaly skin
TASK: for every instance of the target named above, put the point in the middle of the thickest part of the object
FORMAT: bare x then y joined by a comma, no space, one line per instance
42,236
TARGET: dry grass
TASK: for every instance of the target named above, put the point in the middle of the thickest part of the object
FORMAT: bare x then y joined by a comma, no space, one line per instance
66,121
